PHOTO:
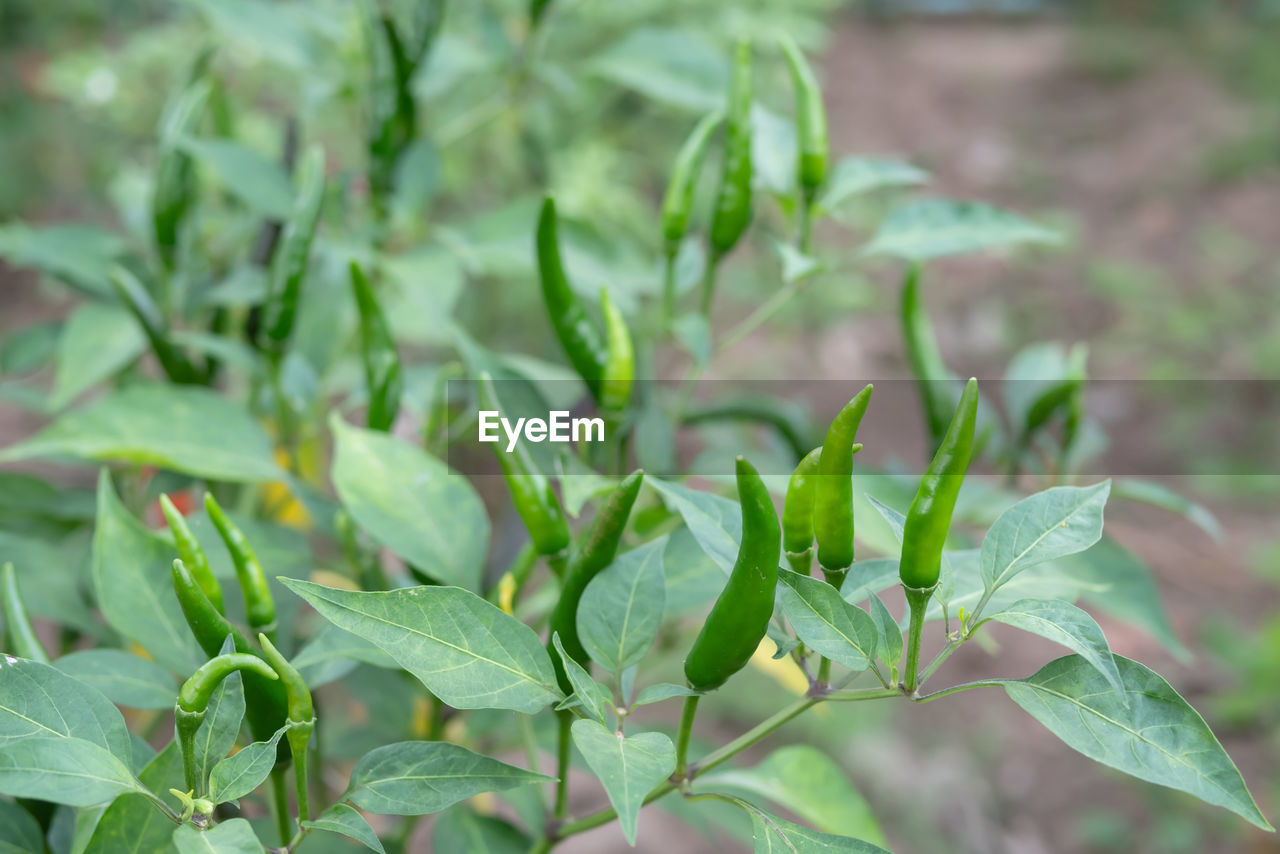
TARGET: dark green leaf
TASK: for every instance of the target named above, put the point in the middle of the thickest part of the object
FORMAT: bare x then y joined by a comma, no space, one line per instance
63,770
628,767
37,700
621,610
828,624
460,829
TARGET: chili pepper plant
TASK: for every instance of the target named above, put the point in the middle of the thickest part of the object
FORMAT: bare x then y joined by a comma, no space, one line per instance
282,622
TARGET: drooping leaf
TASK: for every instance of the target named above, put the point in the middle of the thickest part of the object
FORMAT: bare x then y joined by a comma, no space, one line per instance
421,777
831,626
124,678
38,700
234,836
1064,623
412,503
628,767
64,770
347,821
621,610
1051,524
465,650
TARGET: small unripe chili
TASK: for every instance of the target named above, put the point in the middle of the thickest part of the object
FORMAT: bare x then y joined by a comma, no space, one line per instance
192,554
289,265
22,639
578,336
833,490
174,188
259,605
925,359
677,203
797,513
620,360
193,702
378,352
134,296
811,121
733,201
302,720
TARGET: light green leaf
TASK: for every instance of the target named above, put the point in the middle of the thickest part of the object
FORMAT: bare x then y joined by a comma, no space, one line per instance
778,836
132,824
421,777
236,776
662,691
79,255
19,832
888,634
828,624
674,67
333,653
465,650
804,780
1064,623
412,503
63,770
134,585
124,678
587,693
347,821
693,578
97,341
184,429
932,228
461,829
37,700
853,176
629,768
1060,521
621,610
1159,495
715,522
234,836
253,178
1157,737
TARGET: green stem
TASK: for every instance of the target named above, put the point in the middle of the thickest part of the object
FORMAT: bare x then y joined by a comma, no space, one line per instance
709,284
682,740
530,744
805,223
757,318
280,803
864,694
284,419
565,719
965,686
669,291
938,659
918,600
187,724
824,672
299,736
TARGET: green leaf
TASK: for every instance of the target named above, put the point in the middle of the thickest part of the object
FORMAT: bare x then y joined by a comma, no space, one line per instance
234,836
777,836
1051,524
888,634
134,586
217,733
804,780
37,700
187,430
124,678
693,577
132,824
715,522
465,650
254,179
412,503
63,770
828,624
460,829
97,341
236,776
79,255
19,832
1159,495
621,610
628,767
932,228
347,821
27,350
587,693
662,691
853,176
421,777
1064,623
1158,737
333,653
673,67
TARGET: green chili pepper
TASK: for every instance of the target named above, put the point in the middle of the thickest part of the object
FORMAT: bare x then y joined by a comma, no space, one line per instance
797,514
378,350
259,606
302,720
531,492
289,264
174,188
21,637
193,702
811,121
577,334
192,554
733,202
596,552
740,617
833,490
537,9
620,359
677,204
929,519
267,712
926,362
134,296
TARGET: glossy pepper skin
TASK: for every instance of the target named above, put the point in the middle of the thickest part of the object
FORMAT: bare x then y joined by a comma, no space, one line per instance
133,296
531,491
677,203
259,605
378,352
620,358
811,121
929,518
733,201
740,617
192,554
925,359
20,637
597,551
797,513
578,336
289,264
302,720
833,490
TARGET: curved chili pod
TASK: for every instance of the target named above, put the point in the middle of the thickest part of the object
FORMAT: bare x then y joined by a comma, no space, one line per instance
797,513
740,617
833,490
193,702
531,491
924,357
259,605
21,637
289,264
192,554
811,121
733,201
597,551
620,358
677,203
379,354
577,334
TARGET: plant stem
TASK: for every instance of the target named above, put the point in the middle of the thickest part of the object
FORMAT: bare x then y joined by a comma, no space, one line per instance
530,744
864,694
758,317
805,223
943,655
918,600
280,803
565,719
824,671
709,284
669,291
682,740
964,686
